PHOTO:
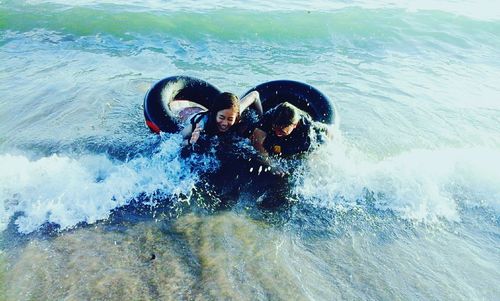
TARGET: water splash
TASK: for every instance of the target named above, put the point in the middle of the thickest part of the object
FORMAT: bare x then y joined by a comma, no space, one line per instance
422,185
68,190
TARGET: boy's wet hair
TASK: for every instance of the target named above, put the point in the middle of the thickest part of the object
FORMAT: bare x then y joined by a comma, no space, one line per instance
285,114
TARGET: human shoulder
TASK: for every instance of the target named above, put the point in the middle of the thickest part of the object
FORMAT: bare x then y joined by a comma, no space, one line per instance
200,118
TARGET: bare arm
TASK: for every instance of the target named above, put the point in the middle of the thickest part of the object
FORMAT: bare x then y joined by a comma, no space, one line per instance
186,132
257,138
249,99
189,135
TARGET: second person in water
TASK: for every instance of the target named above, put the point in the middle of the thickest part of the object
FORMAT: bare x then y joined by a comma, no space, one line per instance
286,130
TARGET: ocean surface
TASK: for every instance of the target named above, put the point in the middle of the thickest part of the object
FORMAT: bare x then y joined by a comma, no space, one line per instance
403,203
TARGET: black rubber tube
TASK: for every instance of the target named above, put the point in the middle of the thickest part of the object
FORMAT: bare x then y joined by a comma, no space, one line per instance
157,113
307,98
301,95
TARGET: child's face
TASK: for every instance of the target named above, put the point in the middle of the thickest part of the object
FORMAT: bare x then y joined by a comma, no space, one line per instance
284,131
225,119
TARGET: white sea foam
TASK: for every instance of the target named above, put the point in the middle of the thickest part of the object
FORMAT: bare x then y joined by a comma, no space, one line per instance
420,185
67,190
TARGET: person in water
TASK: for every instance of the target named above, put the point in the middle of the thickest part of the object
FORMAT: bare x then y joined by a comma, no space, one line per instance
285,131
221,117
218,131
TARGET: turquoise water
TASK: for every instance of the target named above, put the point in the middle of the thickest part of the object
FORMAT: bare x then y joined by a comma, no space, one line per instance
404,203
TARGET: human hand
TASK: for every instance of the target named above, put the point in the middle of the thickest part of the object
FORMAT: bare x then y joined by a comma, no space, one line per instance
195,135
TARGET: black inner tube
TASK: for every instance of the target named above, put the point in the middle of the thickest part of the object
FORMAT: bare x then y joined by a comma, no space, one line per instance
159,116
303,96
157,112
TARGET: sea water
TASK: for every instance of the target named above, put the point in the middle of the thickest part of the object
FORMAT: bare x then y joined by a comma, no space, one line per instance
402,204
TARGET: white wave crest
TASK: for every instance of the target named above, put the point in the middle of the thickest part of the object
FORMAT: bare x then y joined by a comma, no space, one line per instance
66,191
419,185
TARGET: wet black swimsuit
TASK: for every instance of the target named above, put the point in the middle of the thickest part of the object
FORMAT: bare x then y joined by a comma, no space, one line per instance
211,137
299,141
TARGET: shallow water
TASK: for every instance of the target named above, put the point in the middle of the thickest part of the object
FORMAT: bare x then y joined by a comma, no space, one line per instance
403,204
228,255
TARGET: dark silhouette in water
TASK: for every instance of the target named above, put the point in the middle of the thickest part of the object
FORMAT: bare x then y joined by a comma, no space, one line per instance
241,171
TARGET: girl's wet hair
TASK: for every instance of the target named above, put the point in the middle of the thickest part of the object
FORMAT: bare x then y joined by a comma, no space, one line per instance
223,101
